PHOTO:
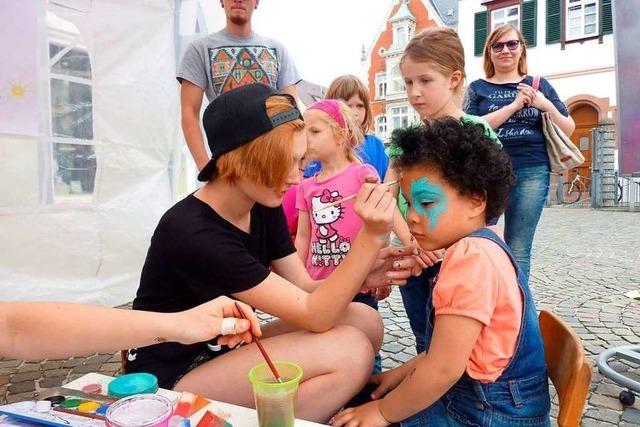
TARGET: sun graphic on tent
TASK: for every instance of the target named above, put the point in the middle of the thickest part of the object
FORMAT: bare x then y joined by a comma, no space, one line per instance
15,91
18,90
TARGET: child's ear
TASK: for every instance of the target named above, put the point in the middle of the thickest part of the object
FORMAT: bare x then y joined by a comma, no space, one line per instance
455,79
478,205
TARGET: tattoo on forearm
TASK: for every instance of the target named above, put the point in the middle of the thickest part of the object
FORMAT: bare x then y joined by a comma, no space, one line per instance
161,339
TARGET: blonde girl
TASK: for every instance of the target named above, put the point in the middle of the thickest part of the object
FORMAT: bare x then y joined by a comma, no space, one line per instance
325,233
326,226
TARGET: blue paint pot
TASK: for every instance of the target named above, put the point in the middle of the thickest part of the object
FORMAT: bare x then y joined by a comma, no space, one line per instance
130,384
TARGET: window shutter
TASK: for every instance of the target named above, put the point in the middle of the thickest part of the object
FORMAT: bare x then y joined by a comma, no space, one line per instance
606,18
554,21
528,26
480,31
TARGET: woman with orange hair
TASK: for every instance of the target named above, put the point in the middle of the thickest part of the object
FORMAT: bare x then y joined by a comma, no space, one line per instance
230,238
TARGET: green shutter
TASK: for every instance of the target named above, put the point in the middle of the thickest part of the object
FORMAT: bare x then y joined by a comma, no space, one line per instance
480,31
554,21
528,26
606,18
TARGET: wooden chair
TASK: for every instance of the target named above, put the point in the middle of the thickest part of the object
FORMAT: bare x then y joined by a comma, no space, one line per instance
568,367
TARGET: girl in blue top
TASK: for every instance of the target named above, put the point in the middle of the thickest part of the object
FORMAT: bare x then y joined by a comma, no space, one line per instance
506,99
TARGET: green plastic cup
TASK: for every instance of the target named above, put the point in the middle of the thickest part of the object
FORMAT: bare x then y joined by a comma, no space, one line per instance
276,402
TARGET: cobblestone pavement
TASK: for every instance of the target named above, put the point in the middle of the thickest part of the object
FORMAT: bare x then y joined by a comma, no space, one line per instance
584,262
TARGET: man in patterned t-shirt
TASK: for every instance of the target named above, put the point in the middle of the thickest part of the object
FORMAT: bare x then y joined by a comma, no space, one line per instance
232,57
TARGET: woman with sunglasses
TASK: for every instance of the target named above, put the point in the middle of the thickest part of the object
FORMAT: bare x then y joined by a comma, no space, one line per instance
506,99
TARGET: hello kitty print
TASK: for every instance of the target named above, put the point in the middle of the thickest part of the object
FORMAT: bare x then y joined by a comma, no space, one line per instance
328,248
333,228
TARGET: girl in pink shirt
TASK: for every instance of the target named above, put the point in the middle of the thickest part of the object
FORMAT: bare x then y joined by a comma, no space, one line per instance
326,226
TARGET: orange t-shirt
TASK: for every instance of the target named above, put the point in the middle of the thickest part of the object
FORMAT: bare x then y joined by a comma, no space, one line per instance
477,280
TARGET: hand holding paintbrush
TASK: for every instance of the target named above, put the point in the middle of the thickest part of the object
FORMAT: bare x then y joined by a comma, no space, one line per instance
344,199
262,350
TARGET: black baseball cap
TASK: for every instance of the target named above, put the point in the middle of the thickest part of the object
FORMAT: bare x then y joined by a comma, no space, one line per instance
238,117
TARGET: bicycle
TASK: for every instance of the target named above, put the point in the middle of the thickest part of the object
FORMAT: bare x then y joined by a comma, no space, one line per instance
572,190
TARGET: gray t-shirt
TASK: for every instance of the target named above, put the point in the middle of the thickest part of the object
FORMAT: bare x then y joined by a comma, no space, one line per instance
221,61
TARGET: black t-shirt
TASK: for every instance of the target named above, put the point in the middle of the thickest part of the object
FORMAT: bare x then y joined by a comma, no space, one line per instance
196,256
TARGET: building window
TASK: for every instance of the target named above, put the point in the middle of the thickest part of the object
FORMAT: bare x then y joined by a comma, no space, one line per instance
397,83
381,127
399,117
581,19
401,36
73,159
506,15
381,85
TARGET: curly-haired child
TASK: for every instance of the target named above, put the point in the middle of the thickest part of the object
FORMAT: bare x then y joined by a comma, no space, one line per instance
484,364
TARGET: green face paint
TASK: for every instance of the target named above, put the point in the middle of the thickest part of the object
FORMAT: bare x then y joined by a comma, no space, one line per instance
422,193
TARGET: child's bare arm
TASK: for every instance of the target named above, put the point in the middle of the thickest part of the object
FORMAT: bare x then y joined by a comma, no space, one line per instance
429,376
453,339
303,237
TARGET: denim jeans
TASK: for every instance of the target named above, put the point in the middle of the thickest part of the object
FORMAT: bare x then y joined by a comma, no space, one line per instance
435,415
415,297
523,212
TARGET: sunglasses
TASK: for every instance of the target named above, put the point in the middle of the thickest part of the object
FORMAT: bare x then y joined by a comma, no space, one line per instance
511,45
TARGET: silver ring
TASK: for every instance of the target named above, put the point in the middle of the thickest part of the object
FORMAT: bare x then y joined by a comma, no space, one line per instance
228,326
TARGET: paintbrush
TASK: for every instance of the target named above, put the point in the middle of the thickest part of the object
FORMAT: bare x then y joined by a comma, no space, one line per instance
261,348
344,199
79,414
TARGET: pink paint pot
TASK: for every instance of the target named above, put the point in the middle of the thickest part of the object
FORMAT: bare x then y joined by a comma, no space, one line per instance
142,410
92,388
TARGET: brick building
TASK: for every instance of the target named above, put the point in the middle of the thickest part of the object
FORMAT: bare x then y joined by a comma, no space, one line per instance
391,108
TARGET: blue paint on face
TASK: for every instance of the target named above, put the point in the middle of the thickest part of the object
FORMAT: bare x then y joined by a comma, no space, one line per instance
429,200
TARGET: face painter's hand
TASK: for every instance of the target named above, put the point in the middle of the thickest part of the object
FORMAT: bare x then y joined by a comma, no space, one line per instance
375,205
392,267
217,317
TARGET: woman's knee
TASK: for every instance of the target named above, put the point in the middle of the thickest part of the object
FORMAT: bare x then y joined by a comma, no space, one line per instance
356,351
367,320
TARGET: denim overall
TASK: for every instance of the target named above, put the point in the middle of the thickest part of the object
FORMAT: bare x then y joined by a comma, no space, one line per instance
519,397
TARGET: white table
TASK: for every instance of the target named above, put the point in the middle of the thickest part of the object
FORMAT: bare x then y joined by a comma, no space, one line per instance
240,416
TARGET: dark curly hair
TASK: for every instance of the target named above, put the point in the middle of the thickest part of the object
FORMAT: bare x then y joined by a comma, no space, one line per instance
468,159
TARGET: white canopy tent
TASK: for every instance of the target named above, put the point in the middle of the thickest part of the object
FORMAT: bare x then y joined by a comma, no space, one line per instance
91,150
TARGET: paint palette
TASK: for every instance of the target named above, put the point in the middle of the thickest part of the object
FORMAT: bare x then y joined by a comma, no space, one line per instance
211,420
62,407
189,404
27,411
